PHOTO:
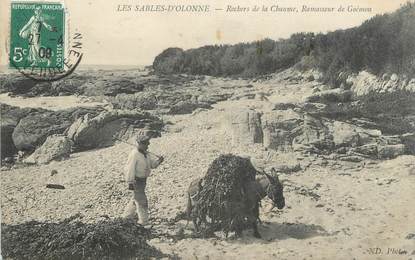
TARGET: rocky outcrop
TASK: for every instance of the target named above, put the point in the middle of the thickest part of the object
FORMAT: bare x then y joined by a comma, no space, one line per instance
349,135
88,85
54,148
187,107
33,129
387,101
105,129
16,84
245,125
277,127
212,98
22,86
287,130
175,102
68,86
169,61
141,100
313,135
332,95
41,89
87,128
111,87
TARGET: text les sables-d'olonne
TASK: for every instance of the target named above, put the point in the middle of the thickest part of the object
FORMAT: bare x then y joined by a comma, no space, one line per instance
240,8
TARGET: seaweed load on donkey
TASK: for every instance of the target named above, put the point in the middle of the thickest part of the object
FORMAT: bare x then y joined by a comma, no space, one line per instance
227,198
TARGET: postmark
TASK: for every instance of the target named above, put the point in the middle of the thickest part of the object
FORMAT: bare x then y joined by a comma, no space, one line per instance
40,46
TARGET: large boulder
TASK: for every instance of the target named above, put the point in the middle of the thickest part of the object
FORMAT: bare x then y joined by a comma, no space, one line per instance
106,128
288,130
279,128
10,117
54,148
344,134
314,135
35,127
7,146
245,125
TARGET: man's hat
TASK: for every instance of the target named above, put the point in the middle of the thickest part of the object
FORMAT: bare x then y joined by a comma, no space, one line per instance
143,139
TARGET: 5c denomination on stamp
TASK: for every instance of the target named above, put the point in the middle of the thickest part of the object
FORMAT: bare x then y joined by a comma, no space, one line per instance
38,41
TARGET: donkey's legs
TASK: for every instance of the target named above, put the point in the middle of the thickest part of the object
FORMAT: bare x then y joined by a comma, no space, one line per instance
188,209
255,228
254,221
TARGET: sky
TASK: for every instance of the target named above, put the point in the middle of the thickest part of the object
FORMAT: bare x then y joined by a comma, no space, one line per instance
112,37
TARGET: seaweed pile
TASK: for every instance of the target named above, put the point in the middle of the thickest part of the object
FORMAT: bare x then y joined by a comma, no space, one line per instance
221,201
73,239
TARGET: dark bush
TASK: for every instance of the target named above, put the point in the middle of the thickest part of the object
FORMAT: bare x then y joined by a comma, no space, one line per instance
382,44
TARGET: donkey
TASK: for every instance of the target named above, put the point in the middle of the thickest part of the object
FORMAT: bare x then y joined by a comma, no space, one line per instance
264,185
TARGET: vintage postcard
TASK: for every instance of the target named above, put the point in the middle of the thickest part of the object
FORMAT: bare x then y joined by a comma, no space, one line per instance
195,129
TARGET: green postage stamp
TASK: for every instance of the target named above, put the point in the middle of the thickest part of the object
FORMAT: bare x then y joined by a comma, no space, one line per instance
37,35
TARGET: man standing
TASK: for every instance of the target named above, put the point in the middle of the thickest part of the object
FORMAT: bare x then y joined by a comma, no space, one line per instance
139,165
